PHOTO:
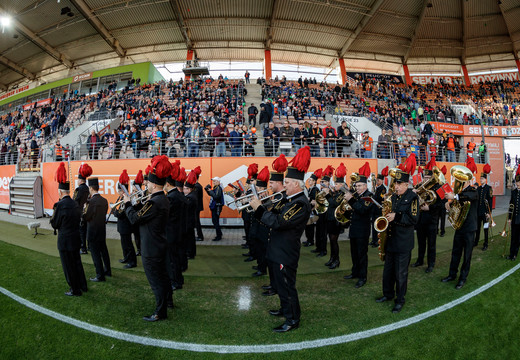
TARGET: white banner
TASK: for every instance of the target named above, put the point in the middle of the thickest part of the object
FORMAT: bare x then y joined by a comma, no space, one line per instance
509,76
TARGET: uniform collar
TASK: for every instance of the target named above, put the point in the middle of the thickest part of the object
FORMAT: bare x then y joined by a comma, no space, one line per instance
294,195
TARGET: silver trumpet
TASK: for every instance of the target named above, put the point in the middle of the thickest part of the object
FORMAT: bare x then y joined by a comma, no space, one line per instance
245,199
272,199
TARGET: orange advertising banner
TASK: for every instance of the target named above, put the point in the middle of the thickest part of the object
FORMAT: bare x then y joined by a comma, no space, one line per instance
476,130
6,173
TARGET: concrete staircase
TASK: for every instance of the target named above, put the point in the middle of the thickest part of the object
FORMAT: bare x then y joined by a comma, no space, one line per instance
254,95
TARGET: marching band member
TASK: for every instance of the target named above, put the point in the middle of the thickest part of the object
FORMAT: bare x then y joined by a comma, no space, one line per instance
152,219
252,171
186,229
400,241
427,225
139,182
124,227
287,225
95,215
66,219
514,218
191,214
312,192
259,231
200,204
321,224
360,226
379,196
81,195
485,203
442,214
215,205
335,197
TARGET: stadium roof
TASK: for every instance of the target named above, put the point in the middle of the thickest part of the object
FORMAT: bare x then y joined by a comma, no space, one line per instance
47,41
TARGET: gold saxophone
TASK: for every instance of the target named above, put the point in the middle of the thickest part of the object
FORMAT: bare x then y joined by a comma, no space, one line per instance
381,223
459,211
424,190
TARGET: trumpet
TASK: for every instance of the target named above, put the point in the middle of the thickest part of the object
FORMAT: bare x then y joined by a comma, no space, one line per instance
273,199
245,199
122,201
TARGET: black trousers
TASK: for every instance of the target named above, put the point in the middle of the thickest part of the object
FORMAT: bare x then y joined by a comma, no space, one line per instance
199,226
374,232
191,246
83,236
442,220
157,275
128,249
100,257
137,238
462,242
515,240
73,272
285,284
183,251
481,220
427,239
321,234
395,275
359,255
252,120
271,268
174,264
333,230
309,233
260,253
215,219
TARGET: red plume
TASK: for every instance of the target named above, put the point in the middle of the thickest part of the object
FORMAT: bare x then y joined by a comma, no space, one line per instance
318,173
192,178
401,167
161,166
431,164
263,175
280,164
61,174
139,178
176,168
329,170
470,164
85,170
365,170
517,171
486,169
123,178
302,160
411,164
444,170
182,175
197,170
252,170
384,172
341,171
420,170
148,170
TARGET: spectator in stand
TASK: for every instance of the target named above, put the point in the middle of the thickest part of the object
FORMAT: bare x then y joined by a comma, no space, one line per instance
247,75
93,145
300,136
249,141
457,149
180,139
340,144
331,136
482,150
367,146
423,147
35,152
315,135
193,137
207,143
135,140
264,117
220,133
58,151
13,152
271,139
286,137
470,147
235,141
4,157
450,148
252,111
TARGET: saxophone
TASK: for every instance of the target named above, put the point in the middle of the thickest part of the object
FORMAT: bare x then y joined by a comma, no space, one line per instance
459,211
381,223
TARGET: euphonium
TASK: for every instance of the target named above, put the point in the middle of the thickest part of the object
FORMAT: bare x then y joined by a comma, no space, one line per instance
424,190
343,212
322,203
458,211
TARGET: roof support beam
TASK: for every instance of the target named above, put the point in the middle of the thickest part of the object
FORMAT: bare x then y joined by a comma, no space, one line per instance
269,31
515,49
87,13
180,21
364,21
417,26
20,70
463,12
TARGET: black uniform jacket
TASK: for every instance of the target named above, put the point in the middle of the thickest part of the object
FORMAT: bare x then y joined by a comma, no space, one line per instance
379,196
361,222
485,199
65,219
81,195
287,227
430,217
401,230
334,198
200,202
514,207
152,219
95,215
191,210
123,224
176,224
469,194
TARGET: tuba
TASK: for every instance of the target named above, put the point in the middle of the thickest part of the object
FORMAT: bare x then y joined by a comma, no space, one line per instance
381,223
424,190
459,211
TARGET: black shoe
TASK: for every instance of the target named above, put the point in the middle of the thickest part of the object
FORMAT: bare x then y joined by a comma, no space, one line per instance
286,327
512,258
138,253
485,247
153,318
307,244
429,269
176,287
123,261
267,287
247,254
108,273
417,263
258,273
278,312
382,299
83,252
254,267
95,279
314,251
269,293
217,239
334,265
460,284
329,262
397,308
199,239
129,266
448,278
442,234
321,254
348,277
70,293
360,283
249,259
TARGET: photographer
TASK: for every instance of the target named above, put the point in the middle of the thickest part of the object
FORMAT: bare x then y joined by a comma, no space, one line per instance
215,205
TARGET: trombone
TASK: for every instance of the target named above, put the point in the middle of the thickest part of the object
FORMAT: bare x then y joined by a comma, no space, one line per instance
272,199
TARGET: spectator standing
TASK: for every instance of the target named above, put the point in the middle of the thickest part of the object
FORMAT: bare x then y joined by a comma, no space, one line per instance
470,146
220,133
450,147
93,145
315,135
330,134
249,141
193,138
135,140
367,145
235,141
247,75
207,143
252,111
286,137
482,150
300,136
271,138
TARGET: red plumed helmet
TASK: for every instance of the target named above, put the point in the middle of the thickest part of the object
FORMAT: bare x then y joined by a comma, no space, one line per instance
280,164
252,170
124,178
192,178
302,160
411,164
318,173
431,164
341,171
486,169
365,170
182,175
176,168
263,175
85,170
139,179
329,171
197,170
61,174
444,170
384,172
161,166
148,170
470,164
